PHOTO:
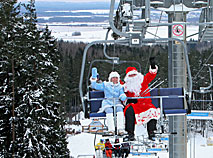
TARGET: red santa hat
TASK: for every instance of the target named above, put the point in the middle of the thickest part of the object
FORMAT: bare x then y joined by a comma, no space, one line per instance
113,74
131,70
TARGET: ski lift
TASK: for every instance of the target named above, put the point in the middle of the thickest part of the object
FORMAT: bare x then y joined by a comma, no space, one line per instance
131,32
172,101
94,98
207,89
163,97
203,96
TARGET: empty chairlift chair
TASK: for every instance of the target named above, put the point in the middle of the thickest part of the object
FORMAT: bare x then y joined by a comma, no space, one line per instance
173,100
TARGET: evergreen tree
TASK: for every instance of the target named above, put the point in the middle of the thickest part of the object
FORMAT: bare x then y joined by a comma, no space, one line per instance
9,40
43,120
51,98
65,79
31,124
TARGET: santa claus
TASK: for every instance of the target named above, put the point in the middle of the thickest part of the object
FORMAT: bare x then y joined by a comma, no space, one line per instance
140,111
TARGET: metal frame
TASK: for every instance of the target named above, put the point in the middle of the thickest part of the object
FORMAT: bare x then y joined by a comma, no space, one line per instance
110,62
124,42
151,97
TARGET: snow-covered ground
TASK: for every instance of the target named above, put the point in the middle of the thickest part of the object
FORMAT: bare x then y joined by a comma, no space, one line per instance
88,33
82,144
96,31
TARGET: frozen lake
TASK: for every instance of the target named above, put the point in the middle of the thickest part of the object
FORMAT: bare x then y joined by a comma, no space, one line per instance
93,33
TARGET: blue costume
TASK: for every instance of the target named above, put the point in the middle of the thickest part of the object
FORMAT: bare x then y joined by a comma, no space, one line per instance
110,91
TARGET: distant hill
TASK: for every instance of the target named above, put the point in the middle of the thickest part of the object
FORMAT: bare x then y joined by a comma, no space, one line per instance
56,6
70,12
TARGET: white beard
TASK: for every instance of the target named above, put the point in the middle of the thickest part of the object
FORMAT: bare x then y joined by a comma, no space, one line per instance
133,84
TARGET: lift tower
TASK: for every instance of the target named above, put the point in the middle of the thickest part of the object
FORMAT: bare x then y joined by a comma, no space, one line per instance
177,77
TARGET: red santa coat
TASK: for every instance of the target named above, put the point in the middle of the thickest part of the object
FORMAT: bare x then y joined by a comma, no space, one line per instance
144,109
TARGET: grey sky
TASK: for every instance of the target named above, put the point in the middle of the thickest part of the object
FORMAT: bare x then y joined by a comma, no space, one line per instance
70,0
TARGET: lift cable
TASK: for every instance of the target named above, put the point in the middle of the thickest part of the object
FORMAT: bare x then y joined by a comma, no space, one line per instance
158,26
202,67
113,66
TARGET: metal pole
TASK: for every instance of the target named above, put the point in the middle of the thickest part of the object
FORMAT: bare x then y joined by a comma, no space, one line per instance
170,72
115,117
161,115
111,22
177,76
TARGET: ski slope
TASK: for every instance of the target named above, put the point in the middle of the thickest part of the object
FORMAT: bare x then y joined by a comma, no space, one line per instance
83,144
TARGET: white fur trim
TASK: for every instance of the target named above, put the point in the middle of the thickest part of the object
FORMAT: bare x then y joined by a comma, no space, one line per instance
122,95
93,79
114,74
132,72
146,116
153,71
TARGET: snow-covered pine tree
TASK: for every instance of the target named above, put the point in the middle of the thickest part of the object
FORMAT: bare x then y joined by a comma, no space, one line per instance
45,134
58,145
30,122
10,24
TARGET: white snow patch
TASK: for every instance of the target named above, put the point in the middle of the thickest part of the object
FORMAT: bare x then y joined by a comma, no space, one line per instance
92,31
82,144
95,11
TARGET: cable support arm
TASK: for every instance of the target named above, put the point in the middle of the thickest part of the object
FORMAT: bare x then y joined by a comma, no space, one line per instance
186,58
111,22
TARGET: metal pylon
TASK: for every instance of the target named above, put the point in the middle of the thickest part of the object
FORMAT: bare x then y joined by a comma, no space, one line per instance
177,78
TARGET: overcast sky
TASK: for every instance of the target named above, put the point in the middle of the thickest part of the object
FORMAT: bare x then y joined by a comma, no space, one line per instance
70,0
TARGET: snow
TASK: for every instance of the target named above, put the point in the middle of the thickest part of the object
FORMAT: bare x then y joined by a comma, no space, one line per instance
88,34
95,31
95,11
83,143
45,17
199,147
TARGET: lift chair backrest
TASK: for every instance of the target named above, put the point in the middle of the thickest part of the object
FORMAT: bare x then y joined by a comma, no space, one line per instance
170,105
96,105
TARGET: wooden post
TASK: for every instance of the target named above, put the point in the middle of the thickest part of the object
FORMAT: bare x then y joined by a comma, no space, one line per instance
13,105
